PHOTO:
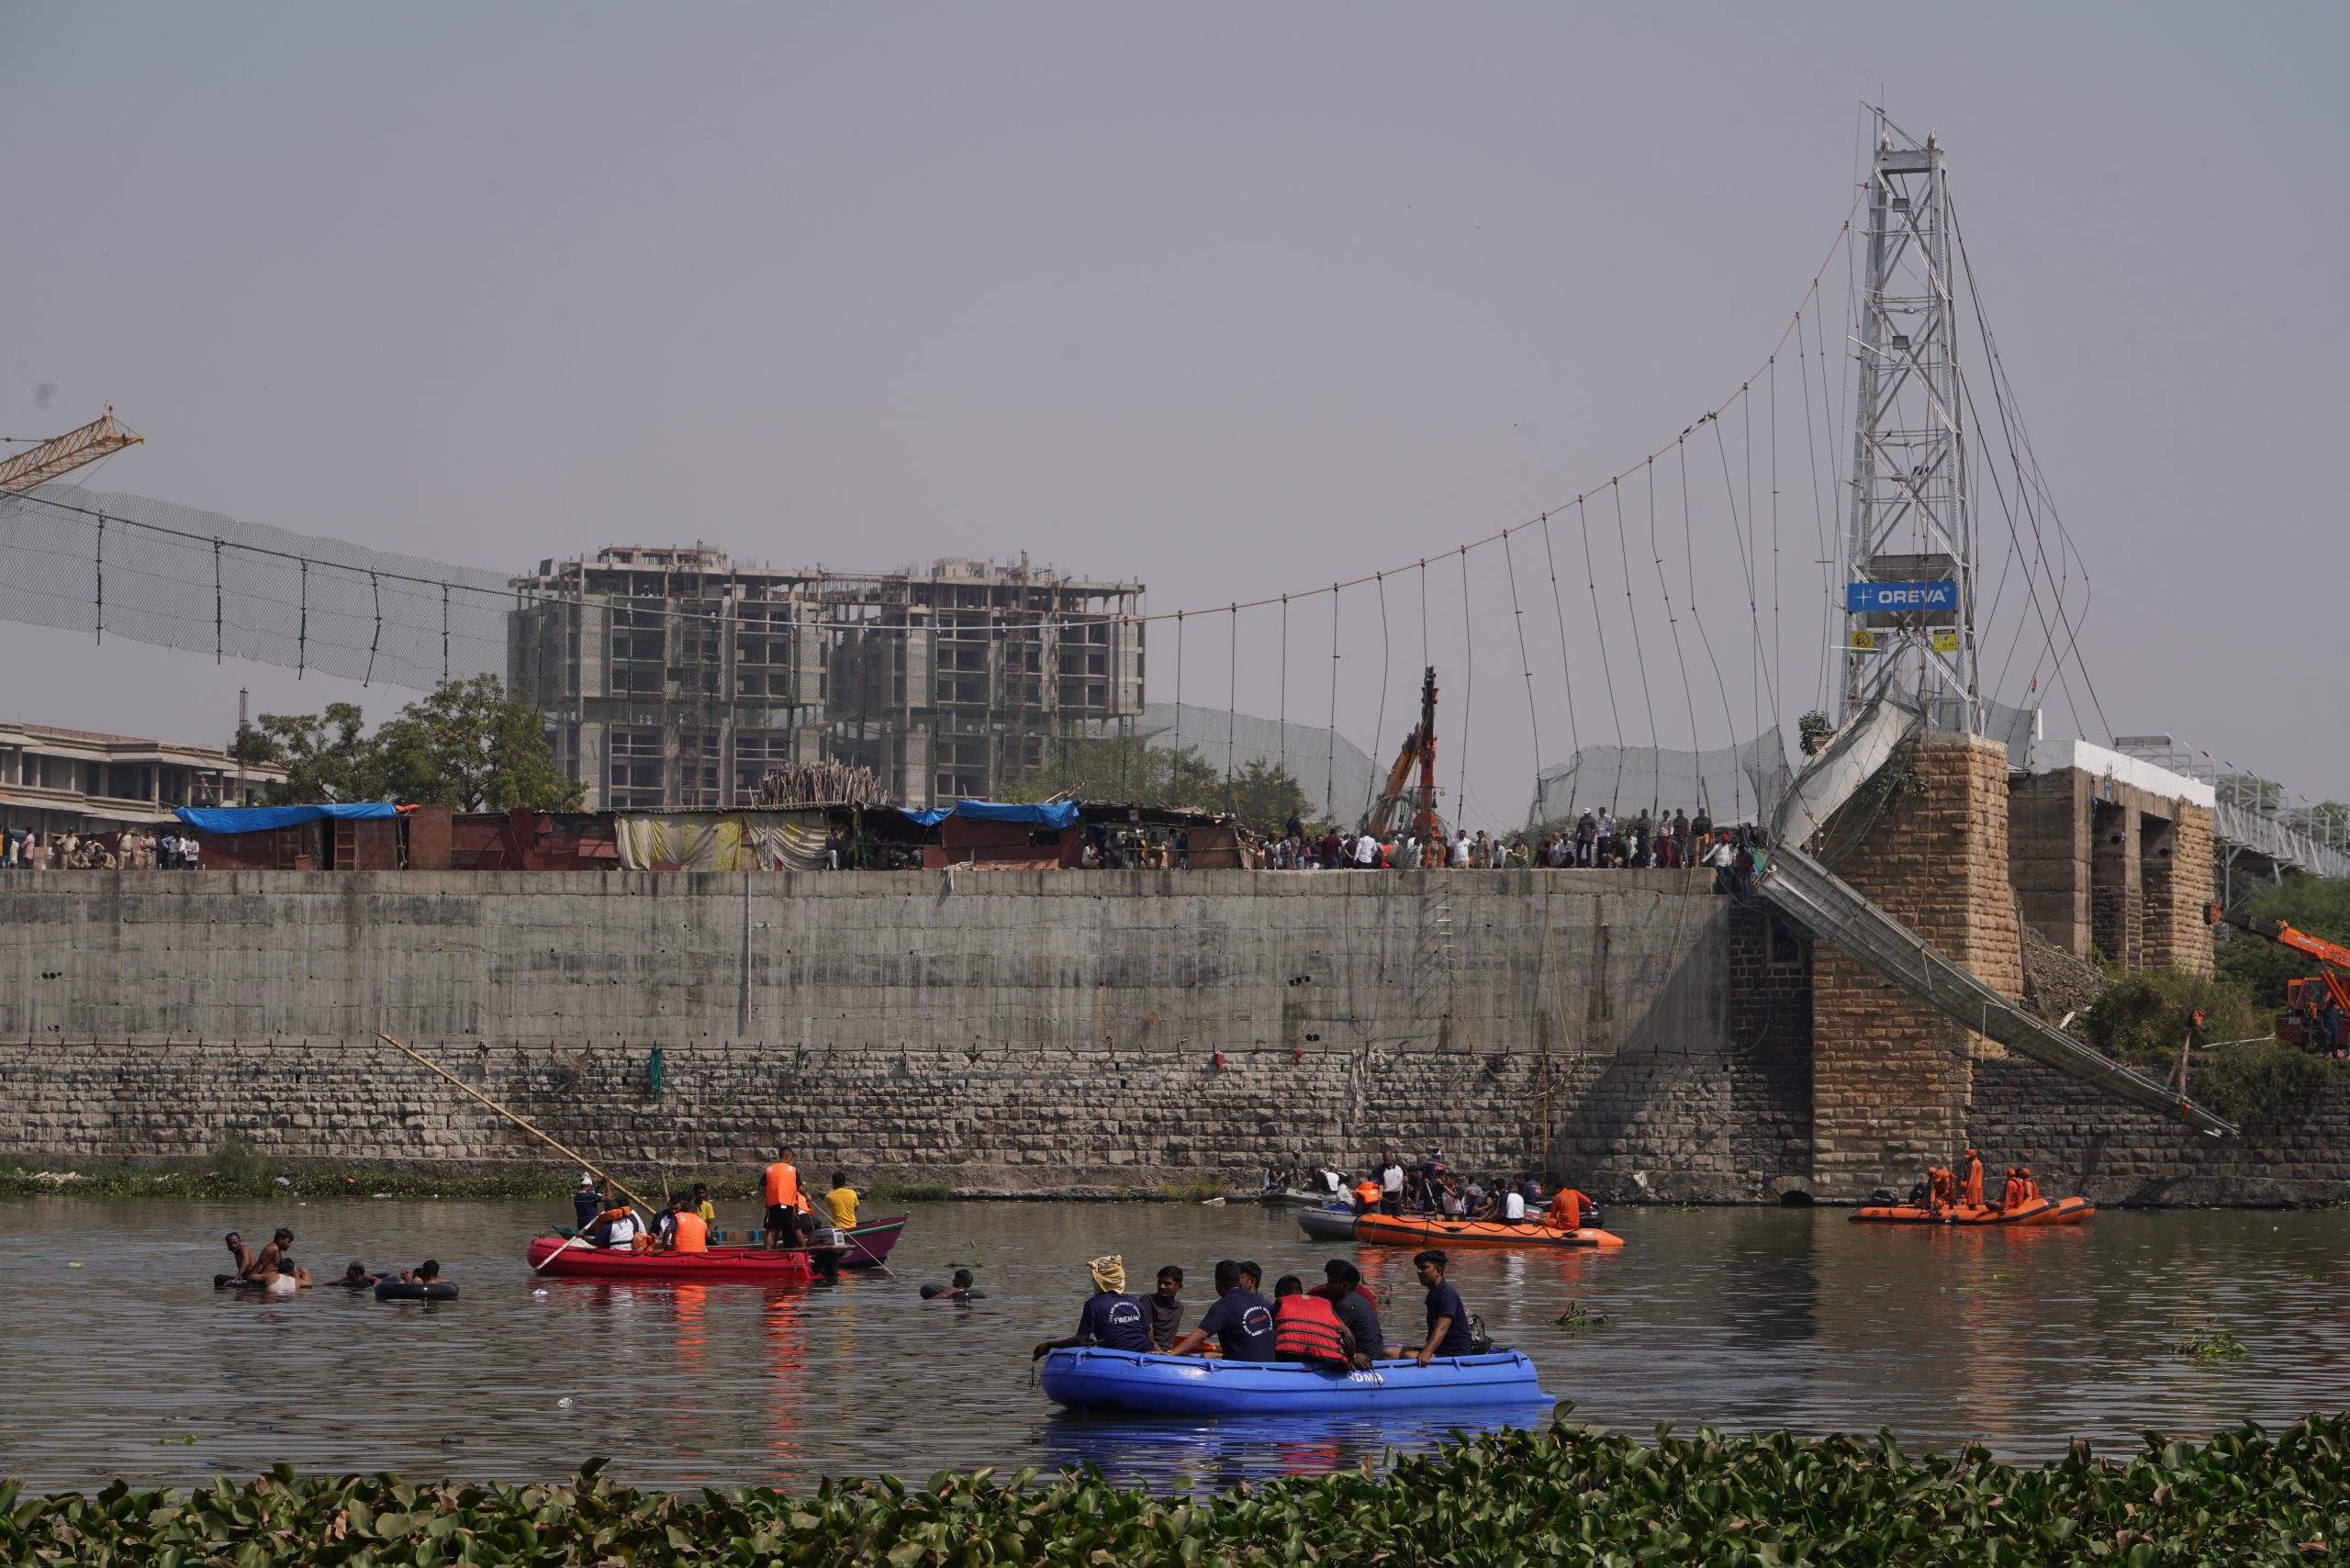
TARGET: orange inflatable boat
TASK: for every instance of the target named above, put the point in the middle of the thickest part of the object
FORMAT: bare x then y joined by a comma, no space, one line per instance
1414,1230
1949,1198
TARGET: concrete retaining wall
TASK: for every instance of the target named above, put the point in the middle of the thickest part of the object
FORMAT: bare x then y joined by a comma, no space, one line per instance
1008,1032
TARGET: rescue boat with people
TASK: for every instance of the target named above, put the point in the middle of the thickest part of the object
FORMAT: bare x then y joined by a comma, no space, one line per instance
1955,1197
567,1259
1096,1379
1434,1230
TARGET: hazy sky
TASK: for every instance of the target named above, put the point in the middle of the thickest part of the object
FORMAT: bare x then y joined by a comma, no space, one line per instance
1231,299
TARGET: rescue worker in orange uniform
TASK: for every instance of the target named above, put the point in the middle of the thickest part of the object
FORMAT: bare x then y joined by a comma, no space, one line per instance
1566,1210
1970,1181
1306,1328
692,1232
787,1209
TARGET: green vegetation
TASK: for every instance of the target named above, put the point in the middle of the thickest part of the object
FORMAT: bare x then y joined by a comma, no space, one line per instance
1578,1315
237,1163
1564,1496
2260,1084
1135,772
472,744
2208,1344
1198,1190
887,1188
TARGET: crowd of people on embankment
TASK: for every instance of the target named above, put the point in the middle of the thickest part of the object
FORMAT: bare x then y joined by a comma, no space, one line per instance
23,850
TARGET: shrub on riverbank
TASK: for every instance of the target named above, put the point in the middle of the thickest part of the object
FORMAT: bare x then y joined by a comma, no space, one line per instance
1564,1496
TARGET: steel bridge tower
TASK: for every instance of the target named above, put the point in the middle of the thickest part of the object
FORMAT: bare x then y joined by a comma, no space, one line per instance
1910,547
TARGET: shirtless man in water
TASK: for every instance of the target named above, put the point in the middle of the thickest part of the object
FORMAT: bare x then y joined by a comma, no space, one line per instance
240,1254
274,1270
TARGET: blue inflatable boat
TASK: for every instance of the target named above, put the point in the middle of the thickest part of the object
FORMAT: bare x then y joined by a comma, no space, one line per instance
1194,1385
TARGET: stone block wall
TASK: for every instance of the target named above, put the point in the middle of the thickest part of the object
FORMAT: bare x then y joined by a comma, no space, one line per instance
1890,1079
2179,883
1009,1032
2076,1140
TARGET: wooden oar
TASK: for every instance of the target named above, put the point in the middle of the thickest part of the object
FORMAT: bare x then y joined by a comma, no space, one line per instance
584,1162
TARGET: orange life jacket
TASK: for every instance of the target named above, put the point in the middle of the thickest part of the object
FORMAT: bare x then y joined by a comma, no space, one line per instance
783,1186
1367,1193
1305,1326
692,1234
1565,1212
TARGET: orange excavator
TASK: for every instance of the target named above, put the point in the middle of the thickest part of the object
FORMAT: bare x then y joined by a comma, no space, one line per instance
2317,1007
1402,806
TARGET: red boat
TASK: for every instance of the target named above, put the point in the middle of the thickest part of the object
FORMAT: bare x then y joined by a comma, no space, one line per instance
731,1265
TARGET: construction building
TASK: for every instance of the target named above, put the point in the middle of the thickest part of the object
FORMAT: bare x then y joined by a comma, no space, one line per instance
674,678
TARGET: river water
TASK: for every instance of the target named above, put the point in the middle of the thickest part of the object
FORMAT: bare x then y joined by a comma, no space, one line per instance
122,1360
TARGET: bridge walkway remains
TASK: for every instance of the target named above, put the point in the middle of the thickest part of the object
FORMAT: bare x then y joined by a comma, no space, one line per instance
1803,890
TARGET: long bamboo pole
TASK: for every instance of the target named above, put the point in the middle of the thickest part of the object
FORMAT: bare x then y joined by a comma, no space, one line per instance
584,1162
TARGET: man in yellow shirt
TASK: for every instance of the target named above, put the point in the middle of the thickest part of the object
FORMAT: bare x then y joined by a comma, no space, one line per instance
703,1205
842,1201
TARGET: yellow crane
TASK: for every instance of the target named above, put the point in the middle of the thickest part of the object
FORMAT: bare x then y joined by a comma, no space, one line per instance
102,437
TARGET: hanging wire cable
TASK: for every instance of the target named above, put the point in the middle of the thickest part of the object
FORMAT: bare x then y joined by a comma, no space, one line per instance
1744,537
1231,696
1624,554
1672,622
1284,722
1819,513
1379,729
1468,679
1558,610
1330,763
1737,791
1517,618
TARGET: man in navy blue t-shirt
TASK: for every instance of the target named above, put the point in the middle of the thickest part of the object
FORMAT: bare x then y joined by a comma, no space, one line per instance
1111,1318
1241,1320
1447,1320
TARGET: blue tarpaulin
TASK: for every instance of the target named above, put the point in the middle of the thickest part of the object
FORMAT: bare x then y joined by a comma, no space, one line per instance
929,818
1053,814
260,819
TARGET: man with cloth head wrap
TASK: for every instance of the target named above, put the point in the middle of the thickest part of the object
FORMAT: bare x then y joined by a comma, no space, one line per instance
1111,1318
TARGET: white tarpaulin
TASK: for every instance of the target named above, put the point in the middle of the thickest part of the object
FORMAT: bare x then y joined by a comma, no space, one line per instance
720,841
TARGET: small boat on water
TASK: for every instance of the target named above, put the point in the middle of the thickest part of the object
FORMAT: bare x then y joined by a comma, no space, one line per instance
1328,1224
2039,1211
725,1265
1434,1230
1292,1198
1096,1379
868,1244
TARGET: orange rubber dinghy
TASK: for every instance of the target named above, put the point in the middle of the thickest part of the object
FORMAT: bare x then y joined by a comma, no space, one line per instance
2040,1211
1405,1230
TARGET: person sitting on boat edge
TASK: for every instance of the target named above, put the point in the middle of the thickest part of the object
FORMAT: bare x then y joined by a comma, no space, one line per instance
1111,1318
1567,1209
1343,1289
1241,1320
356,1277
688,1233
587,1203
1163,1311
1305,1329
1447,1320
842,1202
1507,1207
959,1290
617,1229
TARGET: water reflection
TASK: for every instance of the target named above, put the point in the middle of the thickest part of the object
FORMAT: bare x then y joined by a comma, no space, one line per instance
1733,1318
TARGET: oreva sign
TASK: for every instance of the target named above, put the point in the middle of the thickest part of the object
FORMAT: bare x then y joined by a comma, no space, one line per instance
1900,599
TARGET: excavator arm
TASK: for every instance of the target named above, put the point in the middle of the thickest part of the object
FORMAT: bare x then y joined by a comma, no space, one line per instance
2283,935
102,437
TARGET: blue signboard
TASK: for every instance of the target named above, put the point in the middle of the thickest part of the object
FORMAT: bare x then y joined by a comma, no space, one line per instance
1899,599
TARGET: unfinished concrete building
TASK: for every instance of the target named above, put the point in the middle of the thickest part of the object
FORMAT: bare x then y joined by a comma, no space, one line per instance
674,678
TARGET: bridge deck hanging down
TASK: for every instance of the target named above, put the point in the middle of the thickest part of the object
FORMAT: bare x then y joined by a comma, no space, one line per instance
1831,910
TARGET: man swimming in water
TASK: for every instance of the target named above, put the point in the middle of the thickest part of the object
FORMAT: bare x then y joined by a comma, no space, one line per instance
274,1271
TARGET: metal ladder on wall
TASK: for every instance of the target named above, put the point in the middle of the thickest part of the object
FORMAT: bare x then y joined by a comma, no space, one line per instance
1436,977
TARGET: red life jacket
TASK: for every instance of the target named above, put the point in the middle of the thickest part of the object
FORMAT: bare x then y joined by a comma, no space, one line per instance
1305,1326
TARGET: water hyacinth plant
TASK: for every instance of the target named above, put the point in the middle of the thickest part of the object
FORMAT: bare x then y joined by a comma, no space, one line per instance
1567,1494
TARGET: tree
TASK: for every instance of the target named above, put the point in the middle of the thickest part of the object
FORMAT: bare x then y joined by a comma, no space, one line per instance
1812,731
325,756
2319,905
472,744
